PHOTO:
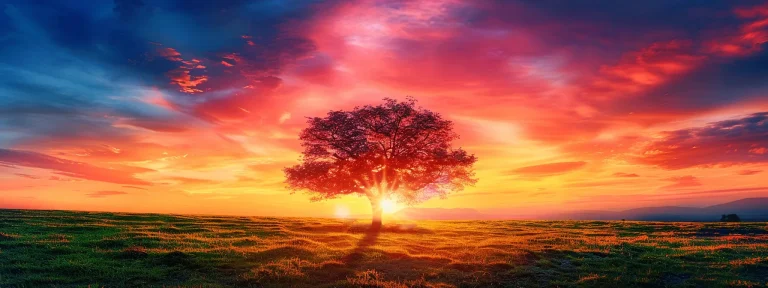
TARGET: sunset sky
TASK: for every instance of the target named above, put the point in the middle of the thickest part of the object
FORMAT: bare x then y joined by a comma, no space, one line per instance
182,106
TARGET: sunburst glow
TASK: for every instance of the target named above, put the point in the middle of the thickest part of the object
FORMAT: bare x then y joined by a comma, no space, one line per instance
342,211
389,206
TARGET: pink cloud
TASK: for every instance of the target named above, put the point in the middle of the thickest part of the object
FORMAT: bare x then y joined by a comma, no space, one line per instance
719,143
645,68
71,168
750,37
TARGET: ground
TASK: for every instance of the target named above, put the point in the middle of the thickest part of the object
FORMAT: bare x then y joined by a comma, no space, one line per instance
81,249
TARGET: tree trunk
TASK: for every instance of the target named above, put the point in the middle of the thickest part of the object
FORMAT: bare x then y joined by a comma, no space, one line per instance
376,214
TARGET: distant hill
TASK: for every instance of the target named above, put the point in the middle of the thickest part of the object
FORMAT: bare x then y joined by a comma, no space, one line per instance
749,209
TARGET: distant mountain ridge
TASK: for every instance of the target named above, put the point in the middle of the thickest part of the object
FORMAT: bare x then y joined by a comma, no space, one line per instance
748,209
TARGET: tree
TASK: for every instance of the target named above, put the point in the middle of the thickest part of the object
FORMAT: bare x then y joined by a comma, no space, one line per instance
730,218
392,150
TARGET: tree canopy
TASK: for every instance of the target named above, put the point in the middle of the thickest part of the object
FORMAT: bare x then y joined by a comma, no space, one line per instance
392,150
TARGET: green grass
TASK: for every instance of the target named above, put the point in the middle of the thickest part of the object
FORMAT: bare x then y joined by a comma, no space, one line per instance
81,249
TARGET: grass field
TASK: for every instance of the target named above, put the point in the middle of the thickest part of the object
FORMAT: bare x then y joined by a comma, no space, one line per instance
78,249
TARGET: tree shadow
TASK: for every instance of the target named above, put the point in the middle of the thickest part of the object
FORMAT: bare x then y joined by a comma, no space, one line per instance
354,258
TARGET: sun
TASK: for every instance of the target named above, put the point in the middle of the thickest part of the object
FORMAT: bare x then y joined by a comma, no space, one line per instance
342,211
389,206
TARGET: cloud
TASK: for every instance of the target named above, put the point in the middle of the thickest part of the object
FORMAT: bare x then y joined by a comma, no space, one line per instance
548,169
605,183
725,142
102,194
187,180
465,194
122,175
681,182
627,175
750,37
154,125
651,66
749,172
26,176
608,198
57,178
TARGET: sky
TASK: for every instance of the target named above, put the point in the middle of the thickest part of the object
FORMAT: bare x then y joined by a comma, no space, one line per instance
175,106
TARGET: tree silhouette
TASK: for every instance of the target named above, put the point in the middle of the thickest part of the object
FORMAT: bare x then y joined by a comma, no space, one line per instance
394,150
730,218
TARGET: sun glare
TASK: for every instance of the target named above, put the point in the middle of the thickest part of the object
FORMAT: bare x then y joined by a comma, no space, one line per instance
341,211
389,206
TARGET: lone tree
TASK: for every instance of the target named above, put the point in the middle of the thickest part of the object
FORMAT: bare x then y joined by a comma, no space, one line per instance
730,218
394,150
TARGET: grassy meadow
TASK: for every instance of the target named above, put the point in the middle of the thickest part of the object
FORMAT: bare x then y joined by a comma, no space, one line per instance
81,249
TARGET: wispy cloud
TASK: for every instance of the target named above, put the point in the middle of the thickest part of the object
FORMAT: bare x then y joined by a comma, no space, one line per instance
548,169
102,194
68,167
627,175
681,182
26,176
749,172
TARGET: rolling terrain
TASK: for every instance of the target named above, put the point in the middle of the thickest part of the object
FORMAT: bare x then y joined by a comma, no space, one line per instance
81,249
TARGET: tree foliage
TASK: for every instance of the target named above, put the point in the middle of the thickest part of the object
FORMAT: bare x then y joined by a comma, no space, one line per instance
394,149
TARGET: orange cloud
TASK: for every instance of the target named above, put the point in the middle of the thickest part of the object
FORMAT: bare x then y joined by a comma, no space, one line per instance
749,172
549,168
170,54
626,175
182,76
194,181
26,176
681,182
102,194
186,81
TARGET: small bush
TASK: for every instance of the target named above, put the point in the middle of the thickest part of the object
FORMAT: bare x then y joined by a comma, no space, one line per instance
730,218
